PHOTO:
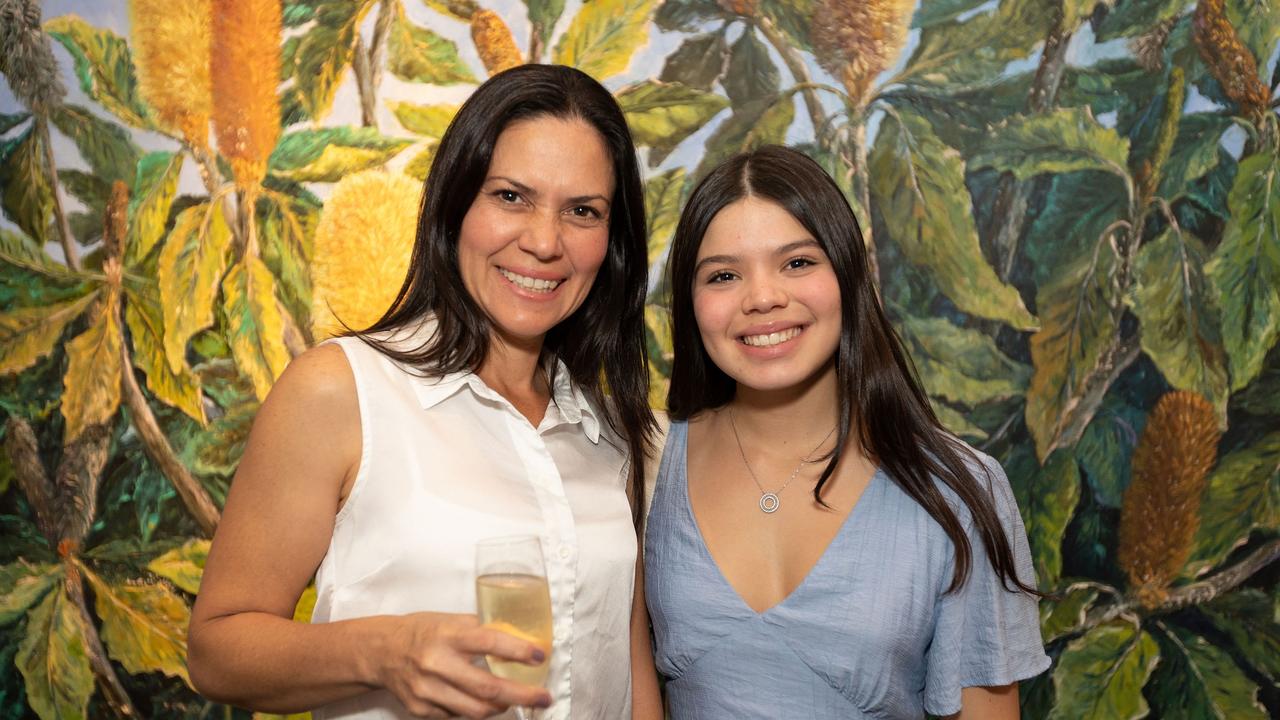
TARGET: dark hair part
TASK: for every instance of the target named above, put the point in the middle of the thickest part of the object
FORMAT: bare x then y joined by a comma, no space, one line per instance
602,343
874,375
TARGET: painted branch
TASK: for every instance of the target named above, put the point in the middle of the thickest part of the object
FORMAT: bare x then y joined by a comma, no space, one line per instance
1114,361
364,83
24,453
64,225
796,65
115,694
194,497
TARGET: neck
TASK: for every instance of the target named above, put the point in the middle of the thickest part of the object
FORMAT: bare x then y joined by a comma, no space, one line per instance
795,419
513,370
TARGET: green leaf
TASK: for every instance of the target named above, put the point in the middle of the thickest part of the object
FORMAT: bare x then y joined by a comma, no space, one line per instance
980,47
324,53
1179,323
662,115
417,54
1078,327
793,18
1047,503
918,185
1135,17
183,566
22,585
698,62
144,625
1242,493
54,661
1062,616
428,120
1078,207
752,125
1201,681
104,67
190,268
44,280
659,348
1246,267
255,327
154,189
327,154
1106,447
1067,140
91,385
663,195
420,166
458,9
9,122
1258,25
286,229
1195,153
543,15
28,334
937,12
953,421
1248,617
687,15
751,76
604,35
108,148
25,191
1101,674
960,364
180,389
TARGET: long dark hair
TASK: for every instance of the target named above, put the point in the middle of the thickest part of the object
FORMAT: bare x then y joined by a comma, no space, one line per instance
602,343
875,377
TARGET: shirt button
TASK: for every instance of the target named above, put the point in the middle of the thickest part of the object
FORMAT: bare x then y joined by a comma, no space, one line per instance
565,551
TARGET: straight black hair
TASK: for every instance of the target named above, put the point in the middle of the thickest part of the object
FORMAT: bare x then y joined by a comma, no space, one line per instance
874,375
602,343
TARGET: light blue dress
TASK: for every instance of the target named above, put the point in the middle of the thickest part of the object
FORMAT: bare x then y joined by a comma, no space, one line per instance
869,633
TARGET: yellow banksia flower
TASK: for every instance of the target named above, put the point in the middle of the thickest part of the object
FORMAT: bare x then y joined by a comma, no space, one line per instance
1161,510
170,43
494,43
1230,62
245,65
361,250
856,41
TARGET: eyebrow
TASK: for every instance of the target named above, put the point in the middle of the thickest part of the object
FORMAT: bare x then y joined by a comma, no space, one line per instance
525,189
730,259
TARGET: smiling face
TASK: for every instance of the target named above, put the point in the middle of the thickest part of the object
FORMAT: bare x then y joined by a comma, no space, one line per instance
536,234
766,298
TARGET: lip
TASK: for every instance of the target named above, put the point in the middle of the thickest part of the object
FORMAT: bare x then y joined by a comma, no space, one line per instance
531,273
526,293
770,351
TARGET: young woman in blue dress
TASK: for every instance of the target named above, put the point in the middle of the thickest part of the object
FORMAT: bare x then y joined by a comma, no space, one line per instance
818,545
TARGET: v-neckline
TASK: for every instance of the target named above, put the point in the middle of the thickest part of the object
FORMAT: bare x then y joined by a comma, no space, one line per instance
724,579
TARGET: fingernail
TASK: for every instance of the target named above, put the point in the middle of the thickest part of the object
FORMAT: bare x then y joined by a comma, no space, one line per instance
538,655
544,703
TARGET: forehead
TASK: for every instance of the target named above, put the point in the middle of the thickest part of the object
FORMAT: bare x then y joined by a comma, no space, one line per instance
565,153
749,225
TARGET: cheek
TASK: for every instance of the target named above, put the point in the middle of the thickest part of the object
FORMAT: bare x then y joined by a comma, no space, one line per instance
709,311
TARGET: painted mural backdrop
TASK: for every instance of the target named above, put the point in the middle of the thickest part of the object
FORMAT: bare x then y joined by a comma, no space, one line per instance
1074,208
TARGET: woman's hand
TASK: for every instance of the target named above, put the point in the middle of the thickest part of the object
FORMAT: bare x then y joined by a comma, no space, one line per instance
431,667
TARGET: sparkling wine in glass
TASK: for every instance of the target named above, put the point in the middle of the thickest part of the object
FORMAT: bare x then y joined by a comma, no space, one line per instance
512,596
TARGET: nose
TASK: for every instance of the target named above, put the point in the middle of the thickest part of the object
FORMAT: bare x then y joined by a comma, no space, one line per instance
541,237
763,294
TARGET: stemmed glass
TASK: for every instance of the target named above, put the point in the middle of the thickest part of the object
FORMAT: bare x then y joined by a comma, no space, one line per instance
512,596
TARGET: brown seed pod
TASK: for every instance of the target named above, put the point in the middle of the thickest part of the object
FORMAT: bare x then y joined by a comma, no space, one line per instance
856,41
113,226
494,42
26,57
1230,62
245,65
170,40
1161,510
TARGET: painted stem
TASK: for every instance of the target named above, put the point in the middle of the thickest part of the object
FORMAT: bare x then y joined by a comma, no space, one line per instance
798,70
114,693
64,225
367,65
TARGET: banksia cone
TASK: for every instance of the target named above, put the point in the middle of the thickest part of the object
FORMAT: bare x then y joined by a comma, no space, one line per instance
1231,63
361,250
1161,510
494,42
856,41
26,57
171,52
245,66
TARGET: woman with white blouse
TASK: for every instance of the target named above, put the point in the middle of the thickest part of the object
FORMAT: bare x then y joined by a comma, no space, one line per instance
475,408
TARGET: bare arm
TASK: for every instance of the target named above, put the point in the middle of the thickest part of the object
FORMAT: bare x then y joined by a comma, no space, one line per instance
988,703
646,699
243,646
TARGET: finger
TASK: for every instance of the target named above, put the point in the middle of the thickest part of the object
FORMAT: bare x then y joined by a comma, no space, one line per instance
486,640
442,696
479,683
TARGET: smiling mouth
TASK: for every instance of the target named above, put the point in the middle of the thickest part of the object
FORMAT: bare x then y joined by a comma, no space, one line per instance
771,339
528,283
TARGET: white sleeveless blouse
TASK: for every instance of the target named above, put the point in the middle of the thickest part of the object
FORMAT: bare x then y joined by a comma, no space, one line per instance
446,462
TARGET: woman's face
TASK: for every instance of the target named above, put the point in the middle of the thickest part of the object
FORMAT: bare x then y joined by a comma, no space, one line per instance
536,233
766,298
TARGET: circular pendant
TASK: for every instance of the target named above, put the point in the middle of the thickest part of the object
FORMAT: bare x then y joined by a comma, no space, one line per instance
769,503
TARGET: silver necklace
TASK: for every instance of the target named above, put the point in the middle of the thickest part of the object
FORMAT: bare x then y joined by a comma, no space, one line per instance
769,501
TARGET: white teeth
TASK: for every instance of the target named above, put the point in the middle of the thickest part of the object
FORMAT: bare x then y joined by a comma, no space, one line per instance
529,283
771,338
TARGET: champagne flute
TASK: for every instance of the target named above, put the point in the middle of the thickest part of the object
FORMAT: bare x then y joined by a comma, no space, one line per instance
512,596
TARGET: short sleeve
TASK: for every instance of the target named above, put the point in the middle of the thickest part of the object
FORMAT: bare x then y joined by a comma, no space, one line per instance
985,635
